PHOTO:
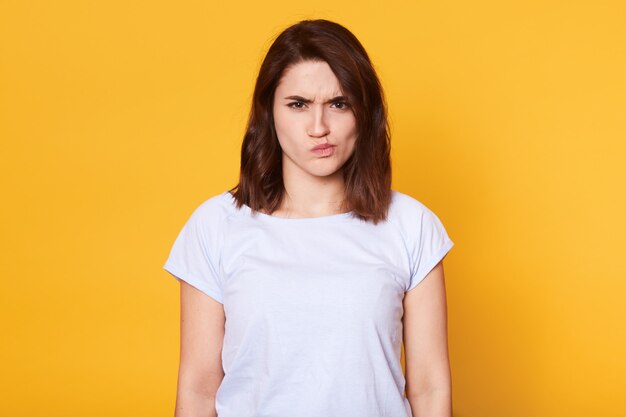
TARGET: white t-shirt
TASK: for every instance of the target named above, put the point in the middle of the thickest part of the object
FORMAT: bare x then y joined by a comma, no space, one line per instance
313,306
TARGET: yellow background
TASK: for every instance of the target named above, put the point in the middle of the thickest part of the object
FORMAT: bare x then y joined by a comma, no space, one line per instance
118,118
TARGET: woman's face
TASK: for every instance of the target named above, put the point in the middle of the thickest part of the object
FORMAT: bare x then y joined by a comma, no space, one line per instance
310,110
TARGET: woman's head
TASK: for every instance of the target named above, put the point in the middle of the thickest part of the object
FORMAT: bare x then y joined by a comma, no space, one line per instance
309,111
319,45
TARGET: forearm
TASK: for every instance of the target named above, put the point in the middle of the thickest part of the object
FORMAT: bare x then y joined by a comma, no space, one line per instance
196,393
190,404
431,403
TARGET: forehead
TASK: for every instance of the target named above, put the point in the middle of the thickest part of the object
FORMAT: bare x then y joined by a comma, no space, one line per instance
309,78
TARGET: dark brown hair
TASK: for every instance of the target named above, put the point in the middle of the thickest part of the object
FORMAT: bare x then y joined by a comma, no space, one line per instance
367,173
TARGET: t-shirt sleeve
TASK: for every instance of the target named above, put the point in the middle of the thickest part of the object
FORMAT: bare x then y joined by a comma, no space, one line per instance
430,246
194,257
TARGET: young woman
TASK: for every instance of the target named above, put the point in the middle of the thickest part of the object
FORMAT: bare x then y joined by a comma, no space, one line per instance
300,284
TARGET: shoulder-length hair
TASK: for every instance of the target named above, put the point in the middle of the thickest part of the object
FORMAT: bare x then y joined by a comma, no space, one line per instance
367,173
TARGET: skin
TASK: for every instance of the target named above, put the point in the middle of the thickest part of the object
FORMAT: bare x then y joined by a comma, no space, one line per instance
200,373
314,187
427,373
314,184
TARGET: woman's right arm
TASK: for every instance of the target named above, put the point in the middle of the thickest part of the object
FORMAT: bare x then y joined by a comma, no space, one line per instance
201,337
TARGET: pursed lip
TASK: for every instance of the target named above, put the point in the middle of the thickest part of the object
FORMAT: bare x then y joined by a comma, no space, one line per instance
323,146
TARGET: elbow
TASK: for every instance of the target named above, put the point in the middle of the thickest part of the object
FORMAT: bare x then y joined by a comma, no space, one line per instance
434,391
202,384
435,386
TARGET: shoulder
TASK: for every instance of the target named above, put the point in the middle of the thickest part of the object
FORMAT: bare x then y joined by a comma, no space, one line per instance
413,217
214,210
407,208
213,205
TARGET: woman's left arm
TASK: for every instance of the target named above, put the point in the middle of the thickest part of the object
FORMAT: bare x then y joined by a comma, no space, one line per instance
428,384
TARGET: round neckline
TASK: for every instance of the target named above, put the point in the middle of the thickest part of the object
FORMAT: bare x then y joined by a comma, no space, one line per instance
269,217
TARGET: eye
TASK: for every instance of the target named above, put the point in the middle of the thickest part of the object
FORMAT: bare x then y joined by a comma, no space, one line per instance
296,105
341,105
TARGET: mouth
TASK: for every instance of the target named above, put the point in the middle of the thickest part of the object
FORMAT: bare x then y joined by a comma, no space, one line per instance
322,146
324,149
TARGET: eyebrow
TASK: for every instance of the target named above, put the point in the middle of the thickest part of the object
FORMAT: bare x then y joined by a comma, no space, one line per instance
308,101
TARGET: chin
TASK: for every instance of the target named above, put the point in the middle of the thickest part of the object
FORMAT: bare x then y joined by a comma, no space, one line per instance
318,168
325,172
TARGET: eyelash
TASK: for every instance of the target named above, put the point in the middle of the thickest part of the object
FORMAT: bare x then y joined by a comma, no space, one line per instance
293,105
345,105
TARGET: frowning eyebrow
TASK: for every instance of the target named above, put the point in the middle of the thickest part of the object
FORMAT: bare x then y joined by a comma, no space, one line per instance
308,101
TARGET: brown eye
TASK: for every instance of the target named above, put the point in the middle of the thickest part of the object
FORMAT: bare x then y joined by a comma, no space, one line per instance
341,105
296,105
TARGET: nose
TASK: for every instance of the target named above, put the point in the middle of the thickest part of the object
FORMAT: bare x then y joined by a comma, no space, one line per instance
318,126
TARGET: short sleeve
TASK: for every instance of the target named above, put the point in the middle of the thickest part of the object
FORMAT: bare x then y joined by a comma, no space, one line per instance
194,257
430,246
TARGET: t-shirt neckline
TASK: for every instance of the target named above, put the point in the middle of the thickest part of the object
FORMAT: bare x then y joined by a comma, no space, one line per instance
268,217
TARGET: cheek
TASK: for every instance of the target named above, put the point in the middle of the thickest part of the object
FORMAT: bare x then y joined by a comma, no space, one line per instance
351,134
278,118
281,124
348,127
286,131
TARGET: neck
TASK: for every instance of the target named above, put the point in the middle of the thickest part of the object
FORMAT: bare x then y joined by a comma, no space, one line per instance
310,196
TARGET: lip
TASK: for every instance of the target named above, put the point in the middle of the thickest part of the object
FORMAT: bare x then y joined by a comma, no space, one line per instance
324,149
322,146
